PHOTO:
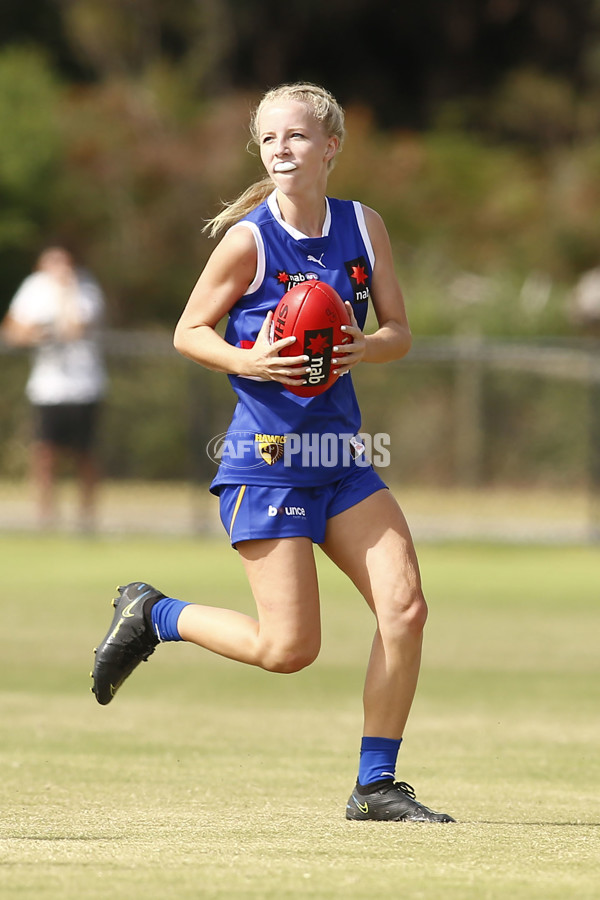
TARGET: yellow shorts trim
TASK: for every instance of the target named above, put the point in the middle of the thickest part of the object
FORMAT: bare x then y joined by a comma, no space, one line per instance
238,503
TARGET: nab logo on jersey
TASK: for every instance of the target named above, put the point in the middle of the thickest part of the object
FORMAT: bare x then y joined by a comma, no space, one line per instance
358,272
291,279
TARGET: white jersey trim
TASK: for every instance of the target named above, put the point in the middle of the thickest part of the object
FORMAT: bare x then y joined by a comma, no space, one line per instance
260,271
360,218
293,232
261,263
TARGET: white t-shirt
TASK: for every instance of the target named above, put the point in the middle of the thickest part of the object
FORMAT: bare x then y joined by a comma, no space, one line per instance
63,371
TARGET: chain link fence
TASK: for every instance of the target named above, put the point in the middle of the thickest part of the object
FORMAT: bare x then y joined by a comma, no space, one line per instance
464,418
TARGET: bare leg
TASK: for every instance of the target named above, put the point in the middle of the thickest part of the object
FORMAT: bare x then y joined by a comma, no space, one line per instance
286,635
43,474
371,543
88,475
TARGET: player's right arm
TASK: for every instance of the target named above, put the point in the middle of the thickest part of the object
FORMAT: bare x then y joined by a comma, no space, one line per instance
226,277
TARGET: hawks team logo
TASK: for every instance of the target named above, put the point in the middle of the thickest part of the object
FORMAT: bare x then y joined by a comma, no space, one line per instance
270,447
358,272
291,279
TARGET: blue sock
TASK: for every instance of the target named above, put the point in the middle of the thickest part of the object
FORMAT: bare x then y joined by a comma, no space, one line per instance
377,759
165,614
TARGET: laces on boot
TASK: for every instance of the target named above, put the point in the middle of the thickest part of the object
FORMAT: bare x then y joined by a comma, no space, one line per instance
407,789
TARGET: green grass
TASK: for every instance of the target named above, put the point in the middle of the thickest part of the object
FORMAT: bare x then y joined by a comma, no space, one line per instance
209,779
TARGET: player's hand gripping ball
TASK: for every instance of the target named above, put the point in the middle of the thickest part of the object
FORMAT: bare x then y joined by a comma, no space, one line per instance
313,312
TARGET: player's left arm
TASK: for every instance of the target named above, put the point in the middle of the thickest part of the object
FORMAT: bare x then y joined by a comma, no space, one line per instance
392,339
21,334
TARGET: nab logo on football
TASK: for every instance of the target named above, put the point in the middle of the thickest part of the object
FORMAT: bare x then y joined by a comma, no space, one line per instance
314,314
318,346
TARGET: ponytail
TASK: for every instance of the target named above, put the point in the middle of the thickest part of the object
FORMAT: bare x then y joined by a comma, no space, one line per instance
235,210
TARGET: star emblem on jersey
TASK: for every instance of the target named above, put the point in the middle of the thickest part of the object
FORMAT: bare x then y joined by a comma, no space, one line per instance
283,277
358,273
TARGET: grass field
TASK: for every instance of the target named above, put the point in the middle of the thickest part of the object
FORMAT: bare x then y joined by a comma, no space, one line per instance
208,779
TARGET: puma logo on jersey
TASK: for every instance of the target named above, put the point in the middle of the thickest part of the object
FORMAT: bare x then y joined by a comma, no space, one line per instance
317,261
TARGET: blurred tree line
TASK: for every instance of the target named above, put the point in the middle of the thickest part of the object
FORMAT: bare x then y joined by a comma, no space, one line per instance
474,128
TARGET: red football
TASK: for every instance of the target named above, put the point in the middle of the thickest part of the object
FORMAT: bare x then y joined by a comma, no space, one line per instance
313,312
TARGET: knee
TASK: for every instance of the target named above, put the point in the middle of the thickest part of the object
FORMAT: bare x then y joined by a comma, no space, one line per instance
417,611
286,660
407,614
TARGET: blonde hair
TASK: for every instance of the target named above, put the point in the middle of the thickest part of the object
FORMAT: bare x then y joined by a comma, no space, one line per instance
325,109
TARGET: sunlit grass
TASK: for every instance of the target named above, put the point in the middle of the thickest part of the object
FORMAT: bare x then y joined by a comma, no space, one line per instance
208,779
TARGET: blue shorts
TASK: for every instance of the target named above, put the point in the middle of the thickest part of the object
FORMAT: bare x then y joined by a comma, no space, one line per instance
251,511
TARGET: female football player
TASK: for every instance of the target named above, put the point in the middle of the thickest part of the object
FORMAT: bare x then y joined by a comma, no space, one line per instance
275,506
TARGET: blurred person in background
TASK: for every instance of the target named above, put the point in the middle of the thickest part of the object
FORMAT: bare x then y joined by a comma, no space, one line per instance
57,312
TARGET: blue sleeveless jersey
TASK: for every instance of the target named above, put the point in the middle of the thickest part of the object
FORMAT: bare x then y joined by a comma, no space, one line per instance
276,437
